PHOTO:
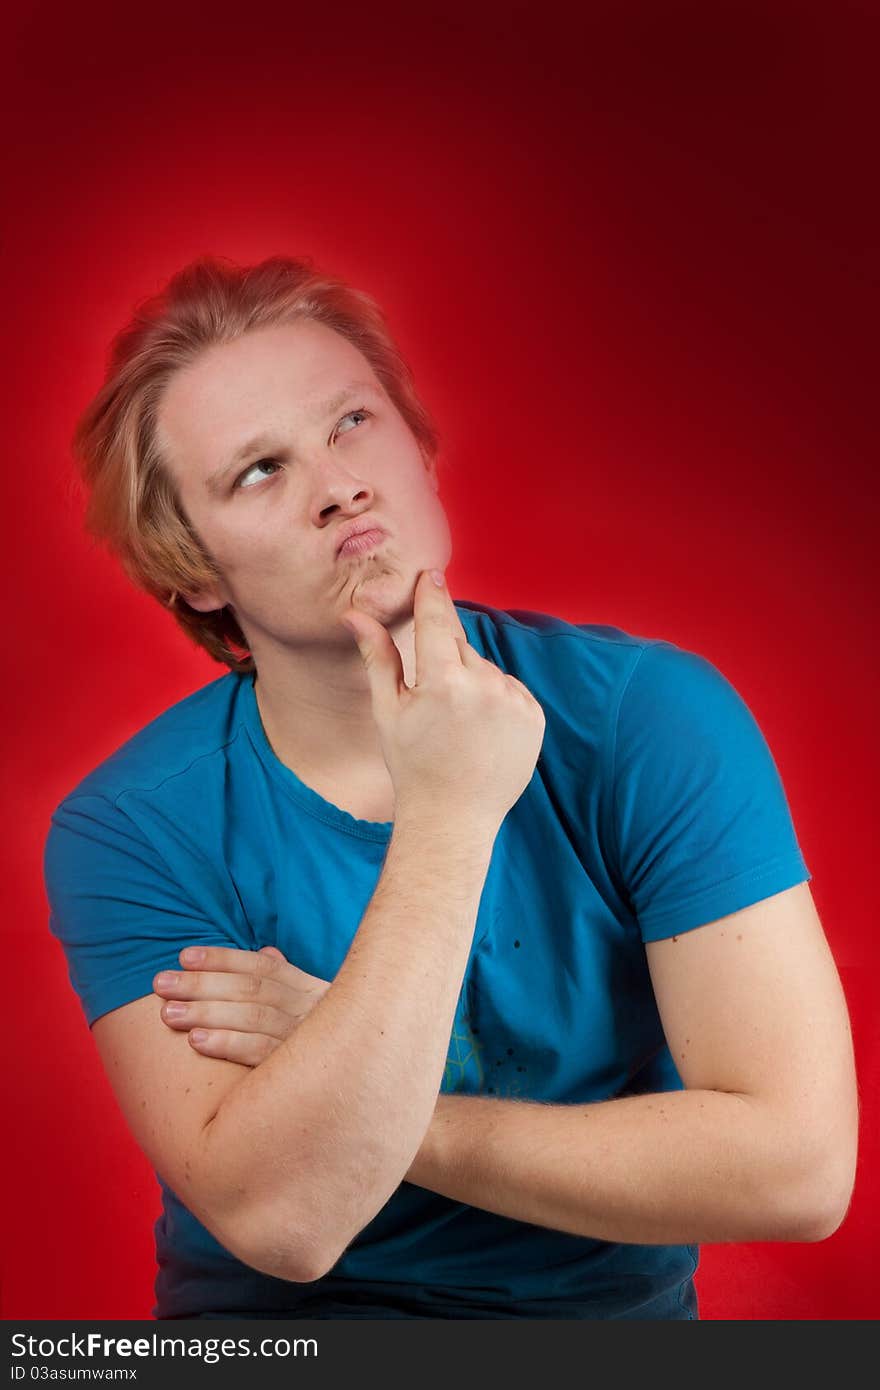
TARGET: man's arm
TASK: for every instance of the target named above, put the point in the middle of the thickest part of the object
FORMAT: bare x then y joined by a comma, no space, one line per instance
761,1145
317,1138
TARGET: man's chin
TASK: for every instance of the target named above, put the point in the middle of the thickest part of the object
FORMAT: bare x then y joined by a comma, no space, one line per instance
387,596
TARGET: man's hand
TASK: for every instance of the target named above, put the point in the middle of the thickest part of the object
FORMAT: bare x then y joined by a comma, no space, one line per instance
238,1005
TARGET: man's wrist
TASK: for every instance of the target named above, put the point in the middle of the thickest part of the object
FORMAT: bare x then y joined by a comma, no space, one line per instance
444,827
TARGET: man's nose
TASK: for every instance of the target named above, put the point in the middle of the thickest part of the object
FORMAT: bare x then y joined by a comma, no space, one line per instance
335,486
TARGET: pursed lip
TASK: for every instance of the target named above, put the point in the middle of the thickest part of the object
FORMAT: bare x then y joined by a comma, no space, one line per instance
357,528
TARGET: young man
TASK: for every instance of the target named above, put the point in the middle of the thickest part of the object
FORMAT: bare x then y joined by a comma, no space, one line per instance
545,868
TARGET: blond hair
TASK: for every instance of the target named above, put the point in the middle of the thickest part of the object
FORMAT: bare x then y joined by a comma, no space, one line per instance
132,504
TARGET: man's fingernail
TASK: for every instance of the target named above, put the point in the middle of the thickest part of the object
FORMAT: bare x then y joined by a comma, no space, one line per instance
437,576
193,954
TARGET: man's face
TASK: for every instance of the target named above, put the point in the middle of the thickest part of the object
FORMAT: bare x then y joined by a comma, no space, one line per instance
271,519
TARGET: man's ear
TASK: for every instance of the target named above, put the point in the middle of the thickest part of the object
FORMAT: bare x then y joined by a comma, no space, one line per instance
431,466
206,600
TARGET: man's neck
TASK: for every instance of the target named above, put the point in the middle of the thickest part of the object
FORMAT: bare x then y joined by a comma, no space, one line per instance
317,710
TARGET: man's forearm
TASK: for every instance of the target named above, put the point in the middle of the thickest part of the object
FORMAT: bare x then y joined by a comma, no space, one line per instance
678,1167
314,1141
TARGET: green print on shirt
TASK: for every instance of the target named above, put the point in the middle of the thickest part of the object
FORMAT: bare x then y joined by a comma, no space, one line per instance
463,1059
466,1071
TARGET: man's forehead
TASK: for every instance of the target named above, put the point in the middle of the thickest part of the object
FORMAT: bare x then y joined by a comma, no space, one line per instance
236,445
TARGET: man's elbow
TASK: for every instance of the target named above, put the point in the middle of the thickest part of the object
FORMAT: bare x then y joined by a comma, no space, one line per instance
828,1219
264,1233
824,1210
272,1250
819,1225
295,1252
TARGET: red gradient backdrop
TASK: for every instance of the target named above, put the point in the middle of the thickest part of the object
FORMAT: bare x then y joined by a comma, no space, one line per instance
632,258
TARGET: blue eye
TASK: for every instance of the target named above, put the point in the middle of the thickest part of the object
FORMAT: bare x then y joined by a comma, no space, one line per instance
365,413
261,463
273,463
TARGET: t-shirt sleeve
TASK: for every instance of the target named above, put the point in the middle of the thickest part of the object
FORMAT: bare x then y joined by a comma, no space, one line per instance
702,824
115,906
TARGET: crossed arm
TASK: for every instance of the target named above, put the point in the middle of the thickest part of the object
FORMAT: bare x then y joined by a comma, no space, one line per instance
760,1145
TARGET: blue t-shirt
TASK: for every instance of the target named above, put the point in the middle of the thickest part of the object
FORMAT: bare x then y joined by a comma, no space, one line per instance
655,807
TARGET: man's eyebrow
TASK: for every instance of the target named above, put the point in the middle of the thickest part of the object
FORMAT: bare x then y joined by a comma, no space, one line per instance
214,481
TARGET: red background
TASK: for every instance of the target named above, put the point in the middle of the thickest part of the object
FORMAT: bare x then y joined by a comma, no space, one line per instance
632,258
